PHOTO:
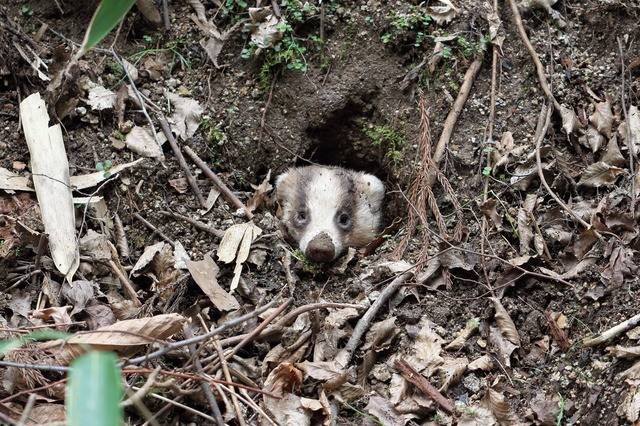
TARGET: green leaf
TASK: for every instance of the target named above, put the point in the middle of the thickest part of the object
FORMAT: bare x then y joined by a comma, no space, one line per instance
107,16
8,345
100,166
94,390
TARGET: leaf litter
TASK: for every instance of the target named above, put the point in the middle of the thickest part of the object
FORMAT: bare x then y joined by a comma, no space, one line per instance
439,322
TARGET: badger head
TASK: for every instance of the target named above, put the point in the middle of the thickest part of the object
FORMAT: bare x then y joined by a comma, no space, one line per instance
326,209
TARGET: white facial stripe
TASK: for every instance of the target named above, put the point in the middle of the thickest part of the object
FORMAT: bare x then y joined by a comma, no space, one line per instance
324,196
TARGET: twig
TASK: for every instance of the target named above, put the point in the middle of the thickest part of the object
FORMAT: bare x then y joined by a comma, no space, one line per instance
226,192
227,376
221,329
199,225
27,409
183,164
287,320
452,118
612,332
143,391
126,285
539,137
534,56
346,354
632,153
179,405
154,229
205,386
421,382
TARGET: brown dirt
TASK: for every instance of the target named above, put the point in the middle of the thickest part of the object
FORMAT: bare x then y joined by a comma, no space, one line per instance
326,116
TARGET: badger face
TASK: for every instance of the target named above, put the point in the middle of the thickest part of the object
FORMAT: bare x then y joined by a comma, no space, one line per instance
326,209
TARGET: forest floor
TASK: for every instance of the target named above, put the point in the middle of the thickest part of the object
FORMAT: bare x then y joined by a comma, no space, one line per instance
508,146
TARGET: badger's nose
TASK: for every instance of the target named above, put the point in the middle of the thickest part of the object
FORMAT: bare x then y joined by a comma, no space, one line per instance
321,249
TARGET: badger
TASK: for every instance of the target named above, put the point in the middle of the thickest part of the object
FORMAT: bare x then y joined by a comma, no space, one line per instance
324,210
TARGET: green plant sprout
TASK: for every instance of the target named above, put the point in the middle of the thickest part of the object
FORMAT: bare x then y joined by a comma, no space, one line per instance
105,167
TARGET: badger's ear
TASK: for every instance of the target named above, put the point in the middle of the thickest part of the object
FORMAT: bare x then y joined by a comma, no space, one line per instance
285,186
373,188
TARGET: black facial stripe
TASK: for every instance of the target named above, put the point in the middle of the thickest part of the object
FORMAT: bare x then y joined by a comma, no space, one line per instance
349,197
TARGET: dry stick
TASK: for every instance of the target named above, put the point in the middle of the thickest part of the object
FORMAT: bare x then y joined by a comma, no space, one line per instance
176,404
345,355
226,192
285,321
154,229
536,60
490,124
183,164
612,332
627,137
227,376
539,137
421,382
215,332
452,118
205,386
365,322
199,225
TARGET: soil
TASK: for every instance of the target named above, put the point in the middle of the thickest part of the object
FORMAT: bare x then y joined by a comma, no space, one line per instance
546,283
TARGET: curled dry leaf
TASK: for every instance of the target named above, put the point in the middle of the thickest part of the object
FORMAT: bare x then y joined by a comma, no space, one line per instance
613,156
500,407
505,323
624,352
570,122
602,118
525,227
484,363
260,194
266,29
186,118
383,410
140,141
236,244
594,139
443,12
137,333
630,406
633,133
600,174
463,335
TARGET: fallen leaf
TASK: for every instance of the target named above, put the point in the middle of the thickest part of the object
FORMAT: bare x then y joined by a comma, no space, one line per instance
599,174
602,118
140,141
236,244
204,273
50,172
570,122
443,12
186,118
505,323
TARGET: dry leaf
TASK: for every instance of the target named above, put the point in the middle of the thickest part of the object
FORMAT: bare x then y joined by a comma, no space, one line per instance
602,118
382,409
444,12
484,363
570,122
186,118
140,141
139,332
100,98
260,194
630,406
500,407
594,139
463,335
505,323
50,169
269,29
613,156
599,174
204,273
236,244
93,179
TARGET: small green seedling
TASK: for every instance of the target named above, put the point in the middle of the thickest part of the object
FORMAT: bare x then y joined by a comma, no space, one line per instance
105,167
486,171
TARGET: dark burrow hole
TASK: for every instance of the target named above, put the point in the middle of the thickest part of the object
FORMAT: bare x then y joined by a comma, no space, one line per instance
342,141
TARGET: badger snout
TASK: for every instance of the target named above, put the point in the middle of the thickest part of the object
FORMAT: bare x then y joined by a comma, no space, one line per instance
321,248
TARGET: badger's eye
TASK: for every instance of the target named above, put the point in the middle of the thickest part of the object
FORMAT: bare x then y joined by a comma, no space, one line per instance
301,217
344,221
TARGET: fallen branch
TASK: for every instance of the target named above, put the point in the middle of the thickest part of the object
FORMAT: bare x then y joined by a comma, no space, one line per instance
183,164
226,192
452,118
612,332
534,56
421,382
